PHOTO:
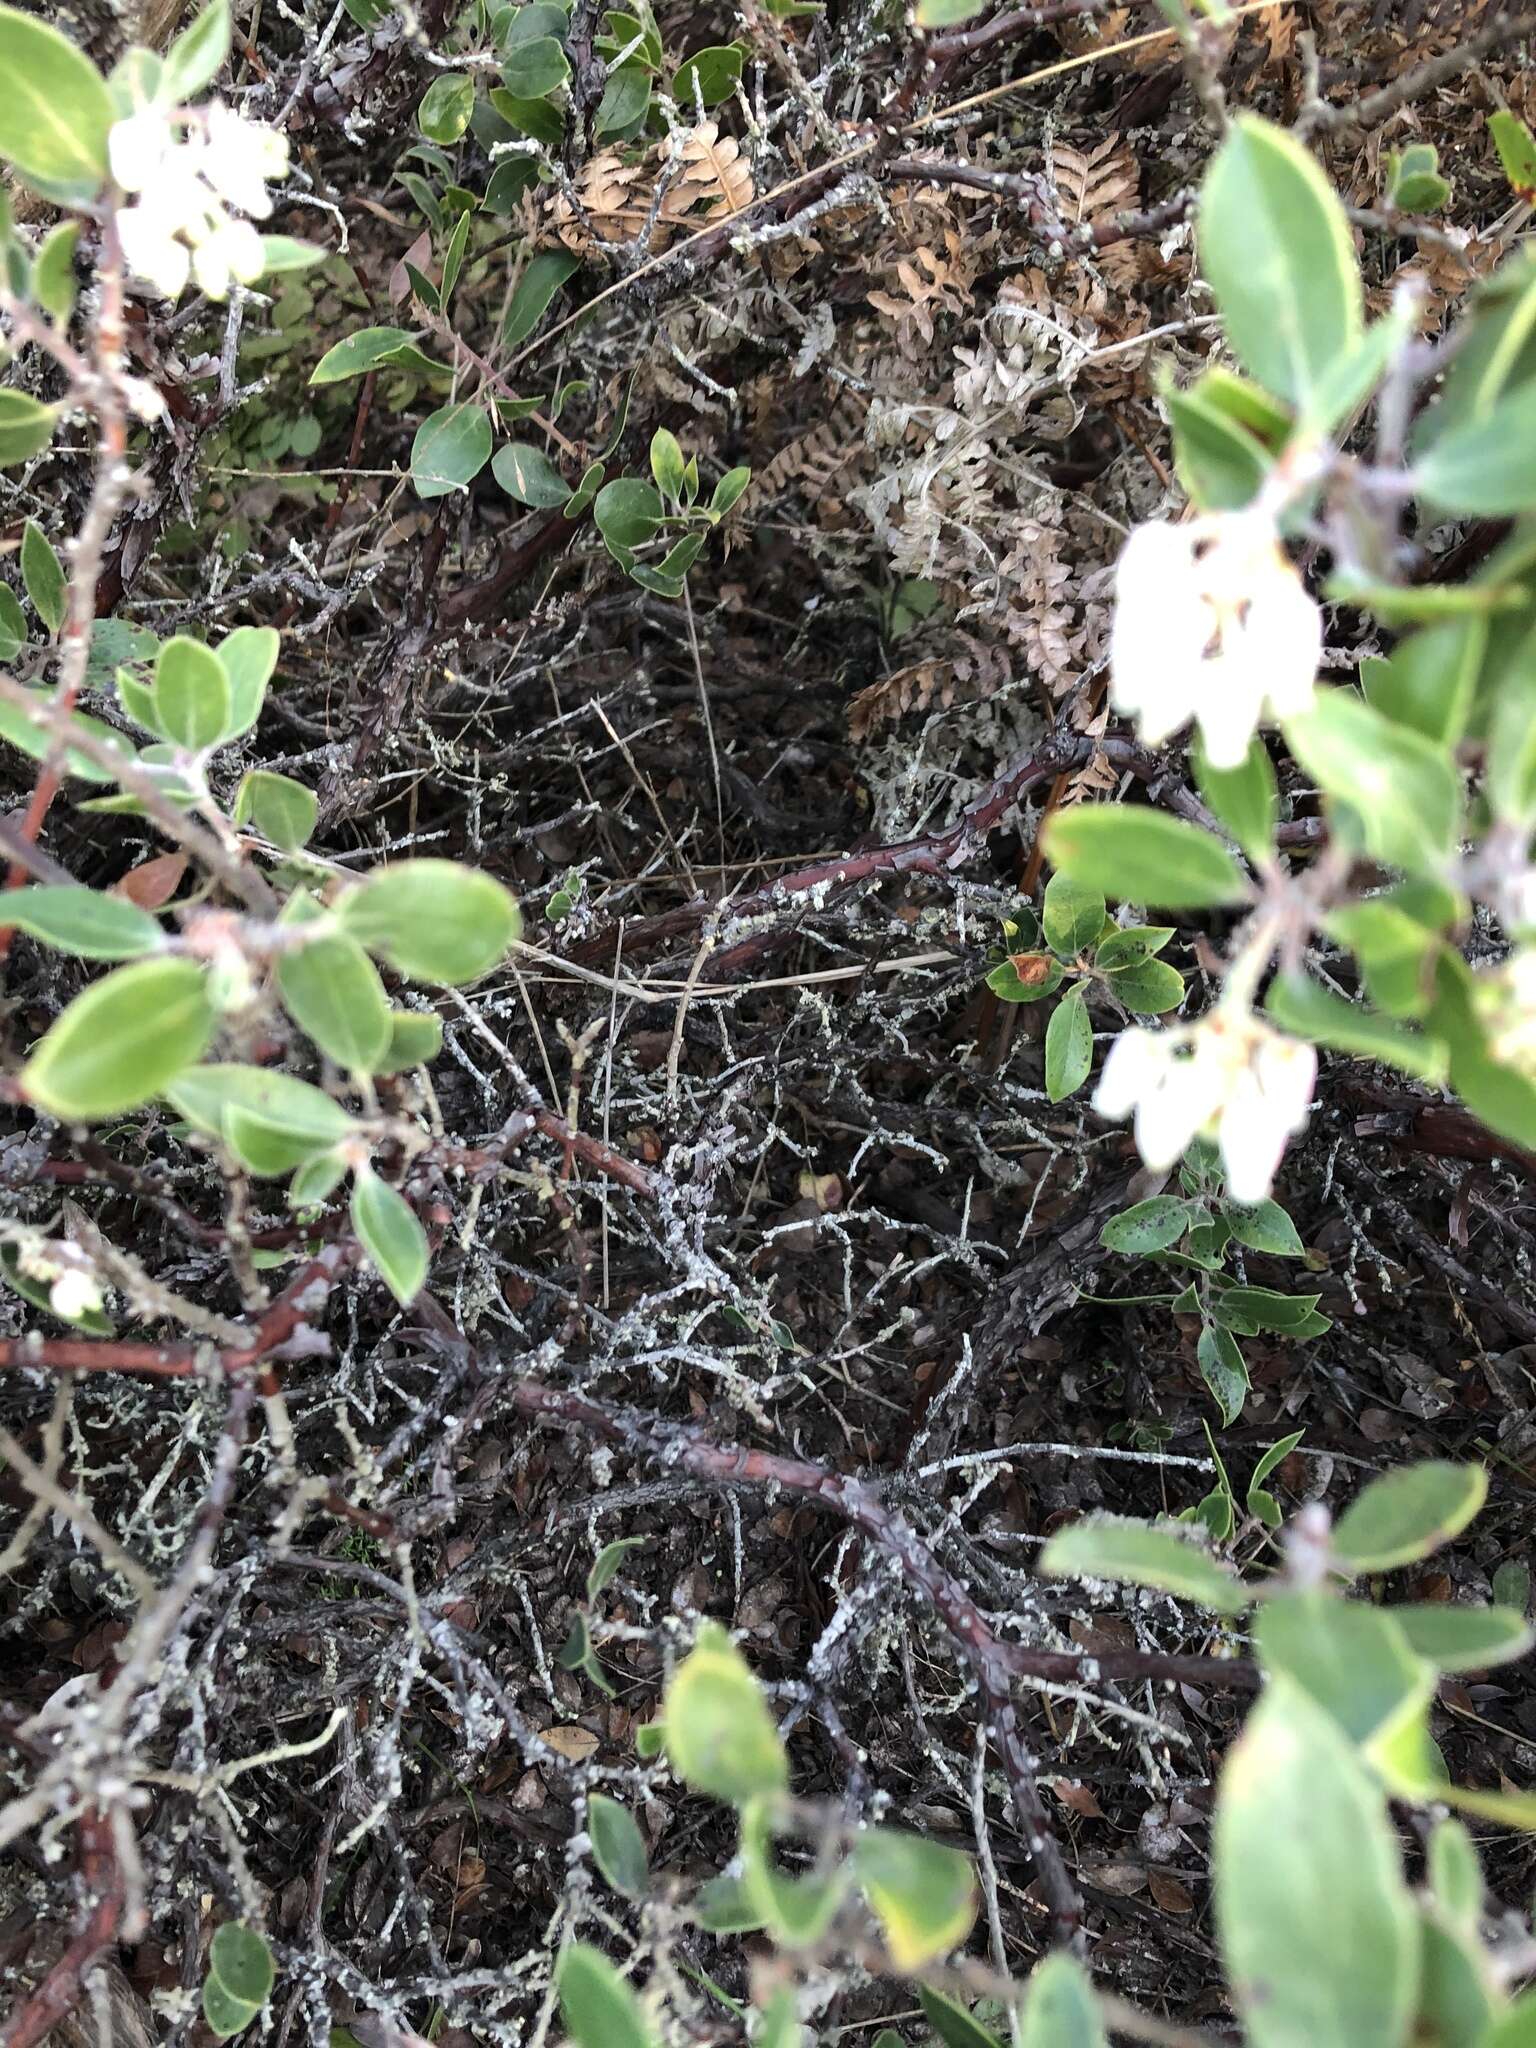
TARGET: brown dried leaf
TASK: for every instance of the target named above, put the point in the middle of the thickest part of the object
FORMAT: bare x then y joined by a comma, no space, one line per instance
1169,1893
1079,1798
577,1745
152,883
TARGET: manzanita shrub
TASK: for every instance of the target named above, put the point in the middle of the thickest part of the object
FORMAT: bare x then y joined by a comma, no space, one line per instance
275,934
1424,775
1350,937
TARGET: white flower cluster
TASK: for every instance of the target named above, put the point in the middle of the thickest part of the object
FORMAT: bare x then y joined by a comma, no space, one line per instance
1211,623
186,172
1229,1077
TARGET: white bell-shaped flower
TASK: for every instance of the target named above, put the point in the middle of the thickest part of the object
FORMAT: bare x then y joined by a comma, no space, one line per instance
139,148
233,250
239,158
152,248
1211,623
180,223
1230,1077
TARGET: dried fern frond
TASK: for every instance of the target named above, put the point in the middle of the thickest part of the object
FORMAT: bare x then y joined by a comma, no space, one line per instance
708,179
1091,185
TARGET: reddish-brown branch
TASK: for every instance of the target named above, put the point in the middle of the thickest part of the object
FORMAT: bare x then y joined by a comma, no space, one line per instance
478,602
109,488
299,1300
56,1997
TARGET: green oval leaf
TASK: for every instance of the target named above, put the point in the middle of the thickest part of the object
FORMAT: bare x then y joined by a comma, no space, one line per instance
527,474
32,732
946,14
121,1042
1149,1226
1458,1638
626,99
26,427
618,1847
1068,1046
535,68
239,1957
197,56
83,921
433,920
1224,1370
1317,1925
1275,246
1353,1660
1150,988
332,991
1483,468
43,574
367,351
13,624
1303,1006
598,2007
728,491
1072,916
724,1905
1402,792
952,2023
389,1232
1059,2007
923,1895
1139,856
721,1737
545,274
1407,1514
226,2015
281,809
451,447
55,112
415,1040
608,1561
1246,799
1264,1227
628,511
290,1121
249,655
1517,153
1141,1554
192,694
446,107
710,75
